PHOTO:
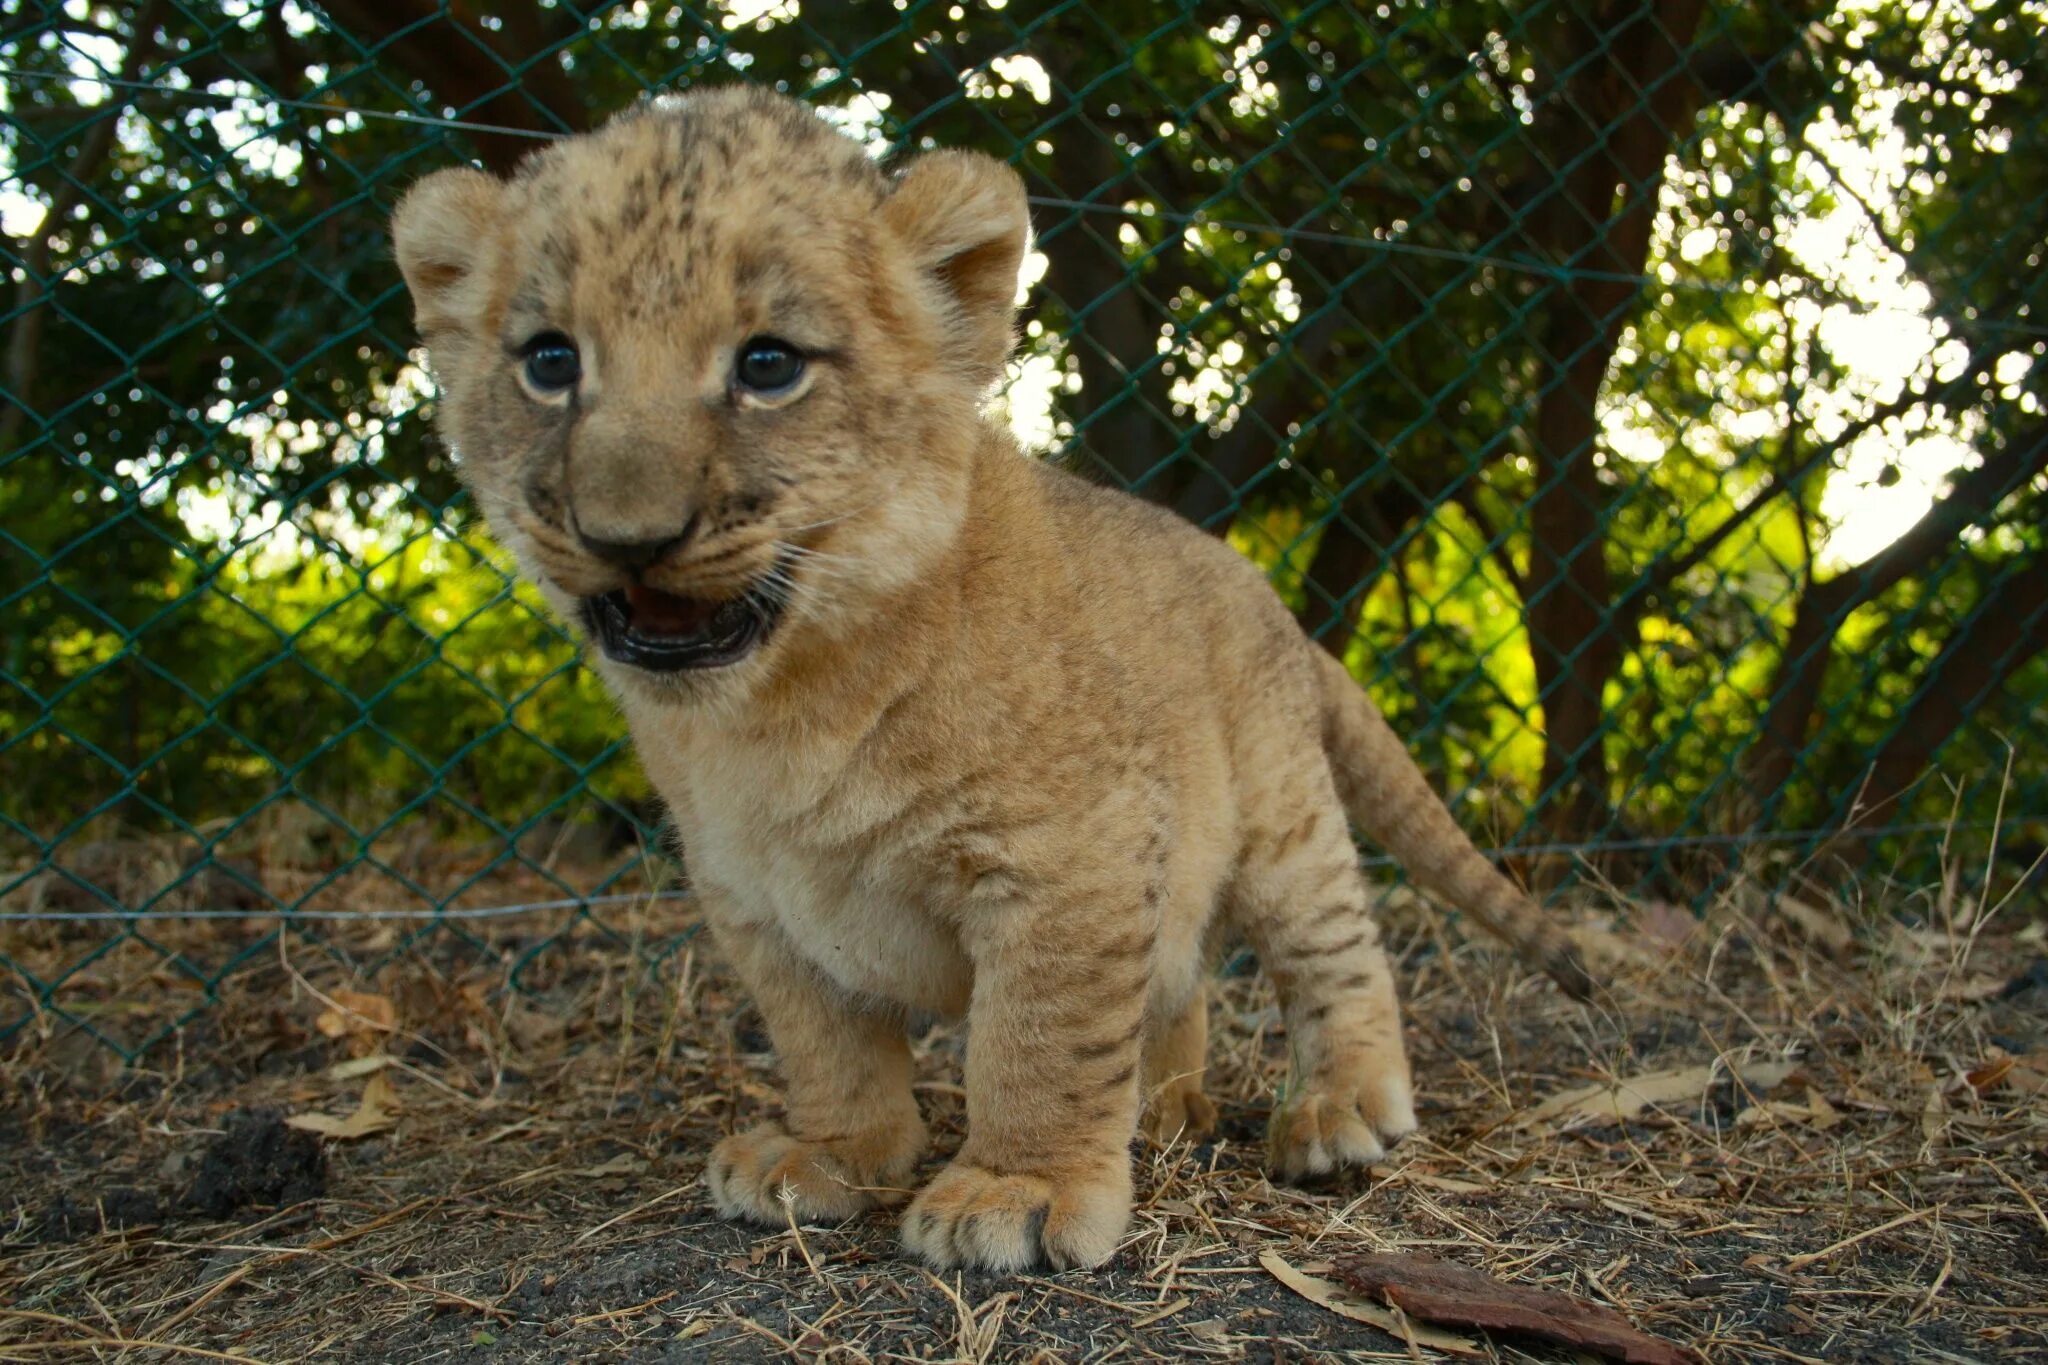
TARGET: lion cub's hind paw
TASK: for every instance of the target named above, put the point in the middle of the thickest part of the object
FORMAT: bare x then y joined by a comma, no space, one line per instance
980,1219
765,1176
1179,1112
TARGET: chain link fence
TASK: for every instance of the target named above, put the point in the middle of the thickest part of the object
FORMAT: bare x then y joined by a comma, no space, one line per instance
1643,397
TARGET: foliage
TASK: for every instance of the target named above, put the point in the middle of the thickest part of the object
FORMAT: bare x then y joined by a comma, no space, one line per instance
1550,355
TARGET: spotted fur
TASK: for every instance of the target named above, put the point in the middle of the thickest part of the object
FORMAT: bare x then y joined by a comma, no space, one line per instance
1022,748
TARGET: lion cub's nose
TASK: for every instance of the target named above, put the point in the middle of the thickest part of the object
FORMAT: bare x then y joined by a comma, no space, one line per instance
638,550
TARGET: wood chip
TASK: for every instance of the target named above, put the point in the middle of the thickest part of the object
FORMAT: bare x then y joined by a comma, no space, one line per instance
1442,1292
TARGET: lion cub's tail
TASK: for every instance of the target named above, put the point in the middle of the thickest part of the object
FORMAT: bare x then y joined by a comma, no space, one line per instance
1387,796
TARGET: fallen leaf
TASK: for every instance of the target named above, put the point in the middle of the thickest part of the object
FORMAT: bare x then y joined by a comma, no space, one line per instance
363,1019
2026,1075
1974,989
1666,924
534,1030
625,1163
1817,925
1409,1175
1815,1112
356,1067
1920,946
1607,1105
2029,1075
377,1112
1611,949
1442,1292
1343,1303
1989,1075
1933,1115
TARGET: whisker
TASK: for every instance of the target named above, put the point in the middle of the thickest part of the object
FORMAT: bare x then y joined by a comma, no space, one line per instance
828,573
843,571
830,521
817,556
819,591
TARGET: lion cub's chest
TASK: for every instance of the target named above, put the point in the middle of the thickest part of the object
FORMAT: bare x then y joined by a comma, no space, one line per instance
827,858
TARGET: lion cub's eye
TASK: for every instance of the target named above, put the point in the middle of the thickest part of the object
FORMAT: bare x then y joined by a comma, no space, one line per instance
551,362
768,367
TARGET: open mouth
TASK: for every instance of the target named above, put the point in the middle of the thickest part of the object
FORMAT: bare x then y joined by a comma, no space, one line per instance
665,632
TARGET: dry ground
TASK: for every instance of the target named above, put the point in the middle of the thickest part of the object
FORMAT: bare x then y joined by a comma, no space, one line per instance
527,1184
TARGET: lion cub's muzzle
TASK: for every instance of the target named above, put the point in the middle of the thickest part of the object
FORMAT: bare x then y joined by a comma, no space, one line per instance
665,632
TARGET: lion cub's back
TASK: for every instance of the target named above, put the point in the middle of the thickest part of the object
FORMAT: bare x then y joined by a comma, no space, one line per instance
1181,605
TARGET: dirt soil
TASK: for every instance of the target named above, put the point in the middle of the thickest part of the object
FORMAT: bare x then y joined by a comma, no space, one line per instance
1834,1147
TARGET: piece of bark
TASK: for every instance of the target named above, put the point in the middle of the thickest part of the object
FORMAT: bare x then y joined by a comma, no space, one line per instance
1440,1291
1335,1298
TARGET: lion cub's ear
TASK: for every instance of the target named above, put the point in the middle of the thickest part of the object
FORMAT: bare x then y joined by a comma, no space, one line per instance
440,231
963,217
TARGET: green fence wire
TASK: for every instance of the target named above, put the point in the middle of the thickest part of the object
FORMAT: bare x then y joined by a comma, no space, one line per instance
1644,398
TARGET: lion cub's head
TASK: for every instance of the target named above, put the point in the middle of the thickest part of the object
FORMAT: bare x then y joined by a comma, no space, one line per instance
712,374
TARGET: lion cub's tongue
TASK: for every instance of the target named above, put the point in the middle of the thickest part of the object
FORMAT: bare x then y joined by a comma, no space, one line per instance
662,613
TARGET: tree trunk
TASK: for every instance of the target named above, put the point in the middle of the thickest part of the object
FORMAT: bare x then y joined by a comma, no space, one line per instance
1613,122
1259,436
1795,693
32,291
1333,592
1112,331
507,77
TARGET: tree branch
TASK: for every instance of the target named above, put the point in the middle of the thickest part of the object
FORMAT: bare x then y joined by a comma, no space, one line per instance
1664,572
2009,627
1809,647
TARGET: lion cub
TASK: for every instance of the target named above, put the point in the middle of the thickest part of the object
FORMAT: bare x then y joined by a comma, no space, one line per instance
944,730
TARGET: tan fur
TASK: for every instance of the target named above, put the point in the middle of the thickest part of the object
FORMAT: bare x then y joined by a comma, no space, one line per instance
1022,748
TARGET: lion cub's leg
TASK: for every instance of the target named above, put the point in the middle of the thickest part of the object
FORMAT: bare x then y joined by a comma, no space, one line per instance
852,1133
1052,1091
1176,1056
1303,902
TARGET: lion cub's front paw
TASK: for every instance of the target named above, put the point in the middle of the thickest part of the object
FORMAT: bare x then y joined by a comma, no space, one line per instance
1338,1122
974,1217
766,1176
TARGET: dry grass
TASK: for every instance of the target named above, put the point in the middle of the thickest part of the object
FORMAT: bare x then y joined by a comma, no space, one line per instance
1874,1190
